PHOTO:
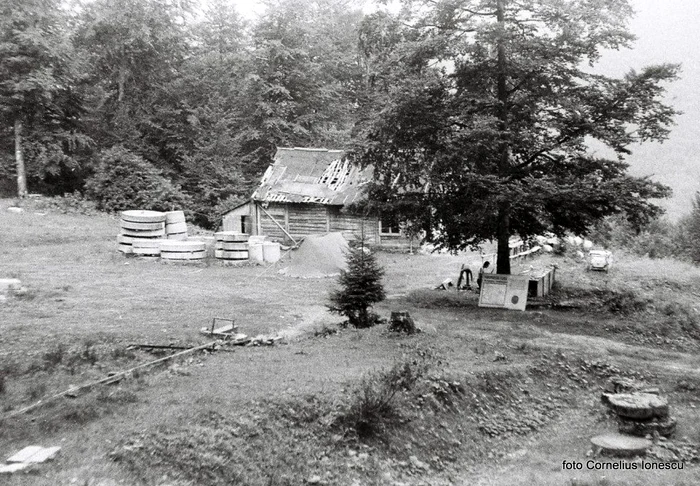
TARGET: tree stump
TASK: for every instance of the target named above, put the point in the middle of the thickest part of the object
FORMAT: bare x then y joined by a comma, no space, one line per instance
402,322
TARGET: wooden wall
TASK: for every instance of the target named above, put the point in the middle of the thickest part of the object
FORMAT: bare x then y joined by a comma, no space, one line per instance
267,226
306,219
353,226
232,219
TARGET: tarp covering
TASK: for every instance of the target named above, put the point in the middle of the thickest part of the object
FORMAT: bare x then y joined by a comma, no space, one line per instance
318,256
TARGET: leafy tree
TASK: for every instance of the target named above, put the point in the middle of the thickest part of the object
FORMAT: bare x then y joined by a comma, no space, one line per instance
40,100
691,227
490,109
300,90
360,288
123,181
135,49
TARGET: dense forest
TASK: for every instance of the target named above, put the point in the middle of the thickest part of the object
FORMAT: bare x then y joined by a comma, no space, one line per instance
467,110
185,99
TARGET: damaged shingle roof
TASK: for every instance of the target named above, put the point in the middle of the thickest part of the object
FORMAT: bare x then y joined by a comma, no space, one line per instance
305,175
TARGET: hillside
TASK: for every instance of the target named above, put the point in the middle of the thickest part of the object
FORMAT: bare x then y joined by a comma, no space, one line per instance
479,397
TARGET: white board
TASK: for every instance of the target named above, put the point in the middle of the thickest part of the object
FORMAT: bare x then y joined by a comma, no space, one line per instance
504,291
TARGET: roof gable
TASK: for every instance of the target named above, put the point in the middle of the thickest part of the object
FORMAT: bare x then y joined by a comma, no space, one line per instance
304,175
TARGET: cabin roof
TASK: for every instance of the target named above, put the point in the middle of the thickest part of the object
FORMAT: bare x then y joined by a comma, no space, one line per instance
308,175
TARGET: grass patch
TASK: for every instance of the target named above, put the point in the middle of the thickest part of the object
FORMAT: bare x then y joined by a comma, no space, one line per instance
413,412
435,299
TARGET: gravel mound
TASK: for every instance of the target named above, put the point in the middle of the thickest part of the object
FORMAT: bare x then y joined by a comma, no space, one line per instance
318,256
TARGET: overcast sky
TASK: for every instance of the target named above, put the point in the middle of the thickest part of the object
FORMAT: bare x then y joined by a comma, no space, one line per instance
667,31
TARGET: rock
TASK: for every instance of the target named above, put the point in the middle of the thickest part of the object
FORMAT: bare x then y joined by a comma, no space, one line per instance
316,479
14,209
418,464
639,406
665,427
621,445
662,453
620,384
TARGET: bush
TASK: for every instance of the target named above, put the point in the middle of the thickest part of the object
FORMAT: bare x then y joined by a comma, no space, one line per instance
361,287
625,302
123,180
372,407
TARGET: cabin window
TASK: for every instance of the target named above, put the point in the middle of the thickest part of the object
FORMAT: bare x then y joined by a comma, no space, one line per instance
245,224
389,225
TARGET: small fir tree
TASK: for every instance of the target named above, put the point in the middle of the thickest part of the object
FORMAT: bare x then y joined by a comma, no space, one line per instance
360,288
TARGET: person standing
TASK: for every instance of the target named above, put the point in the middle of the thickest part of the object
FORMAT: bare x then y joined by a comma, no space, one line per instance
486,268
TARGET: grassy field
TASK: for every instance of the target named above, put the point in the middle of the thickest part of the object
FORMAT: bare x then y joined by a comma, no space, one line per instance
479,397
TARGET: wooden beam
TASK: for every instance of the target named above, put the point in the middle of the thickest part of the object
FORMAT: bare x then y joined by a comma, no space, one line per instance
109,379
280,226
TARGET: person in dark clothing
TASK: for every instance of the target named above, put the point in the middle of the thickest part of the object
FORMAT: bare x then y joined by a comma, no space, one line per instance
486,268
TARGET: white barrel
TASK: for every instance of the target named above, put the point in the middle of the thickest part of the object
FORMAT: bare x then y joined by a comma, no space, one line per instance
258,239
255,252
231,236
271,251
172,217
179,227
139,216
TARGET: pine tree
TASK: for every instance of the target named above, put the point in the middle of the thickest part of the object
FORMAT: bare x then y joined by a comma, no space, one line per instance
360,288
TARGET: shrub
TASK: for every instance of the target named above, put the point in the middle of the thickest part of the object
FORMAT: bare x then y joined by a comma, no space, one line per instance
360,288
69,203
626,302
123,180
372,406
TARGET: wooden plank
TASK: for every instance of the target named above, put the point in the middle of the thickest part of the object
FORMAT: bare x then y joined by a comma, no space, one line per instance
110,379
280,226
24,454
34,454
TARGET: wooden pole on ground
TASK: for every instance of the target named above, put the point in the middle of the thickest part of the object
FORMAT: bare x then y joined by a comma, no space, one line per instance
109,379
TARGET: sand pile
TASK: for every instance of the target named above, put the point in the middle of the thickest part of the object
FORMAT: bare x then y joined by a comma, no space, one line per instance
318,256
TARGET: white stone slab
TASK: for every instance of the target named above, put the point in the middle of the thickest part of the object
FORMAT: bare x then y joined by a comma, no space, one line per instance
11,468
34,454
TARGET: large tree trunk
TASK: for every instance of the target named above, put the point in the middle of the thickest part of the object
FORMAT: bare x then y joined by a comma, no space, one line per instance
503,222
19,159
503,233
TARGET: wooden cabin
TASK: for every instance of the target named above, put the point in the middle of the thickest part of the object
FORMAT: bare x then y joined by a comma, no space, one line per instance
307,191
